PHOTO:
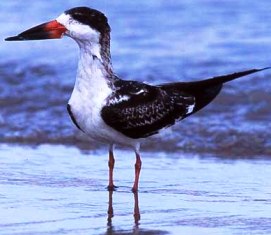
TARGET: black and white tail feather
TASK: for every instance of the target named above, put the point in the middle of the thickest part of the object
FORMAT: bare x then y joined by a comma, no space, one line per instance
138,110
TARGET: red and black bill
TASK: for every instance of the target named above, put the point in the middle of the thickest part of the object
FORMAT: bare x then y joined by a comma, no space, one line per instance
49,30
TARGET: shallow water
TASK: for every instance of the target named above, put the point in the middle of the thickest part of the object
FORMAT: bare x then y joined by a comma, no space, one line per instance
210,174
58,190
152,41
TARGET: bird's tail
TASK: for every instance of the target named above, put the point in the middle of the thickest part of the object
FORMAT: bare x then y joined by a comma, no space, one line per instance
206,90
224,78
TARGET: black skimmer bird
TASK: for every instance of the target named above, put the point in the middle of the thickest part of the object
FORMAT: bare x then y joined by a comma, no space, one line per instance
109,109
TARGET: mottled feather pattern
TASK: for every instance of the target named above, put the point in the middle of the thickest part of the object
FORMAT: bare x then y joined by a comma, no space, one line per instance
139,110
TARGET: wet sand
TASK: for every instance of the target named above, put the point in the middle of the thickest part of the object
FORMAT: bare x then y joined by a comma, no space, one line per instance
60,190
217,180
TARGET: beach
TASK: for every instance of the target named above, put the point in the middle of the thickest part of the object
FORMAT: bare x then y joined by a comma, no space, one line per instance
209,174
59,190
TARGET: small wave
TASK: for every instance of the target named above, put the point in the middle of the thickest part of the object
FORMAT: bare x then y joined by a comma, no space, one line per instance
33,102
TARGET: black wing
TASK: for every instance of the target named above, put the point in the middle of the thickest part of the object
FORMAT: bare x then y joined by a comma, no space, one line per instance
206,90
139,110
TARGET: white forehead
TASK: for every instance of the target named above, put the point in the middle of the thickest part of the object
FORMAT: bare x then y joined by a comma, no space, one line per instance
74,27
64,19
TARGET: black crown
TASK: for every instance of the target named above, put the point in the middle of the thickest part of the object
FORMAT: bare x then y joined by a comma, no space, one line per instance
91,17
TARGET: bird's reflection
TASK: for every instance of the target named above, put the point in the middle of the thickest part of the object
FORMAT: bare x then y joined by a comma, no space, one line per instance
116,230
136,209
110,211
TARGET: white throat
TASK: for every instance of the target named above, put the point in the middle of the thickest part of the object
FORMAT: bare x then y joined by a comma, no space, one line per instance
90,91
90,65
91,76
90,44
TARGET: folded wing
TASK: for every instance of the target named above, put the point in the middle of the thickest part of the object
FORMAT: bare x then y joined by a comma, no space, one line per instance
139,110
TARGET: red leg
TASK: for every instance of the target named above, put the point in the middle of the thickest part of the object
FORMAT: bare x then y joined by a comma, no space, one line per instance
111,163
137,172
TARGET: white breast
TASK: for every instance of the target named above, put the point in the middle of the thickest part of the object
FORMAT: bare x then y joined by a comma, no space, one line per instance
88,97
87,100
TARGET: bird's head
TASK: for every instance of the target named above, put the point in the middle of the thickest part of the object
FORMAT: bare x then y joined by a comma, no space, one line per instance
80,23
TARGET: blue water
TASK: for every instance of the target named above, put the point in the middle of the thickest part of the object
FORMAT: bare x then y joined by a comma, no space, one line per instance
152,41
56,190
210,174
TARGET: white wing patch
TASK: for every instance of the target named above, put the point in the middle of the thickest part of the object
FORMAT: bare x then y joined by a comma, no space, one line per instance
119,99
139,92
190,108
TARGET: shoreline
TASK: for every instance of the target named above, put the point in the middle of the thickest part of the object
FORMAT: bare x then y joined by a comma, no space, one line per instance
85,149
58,190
